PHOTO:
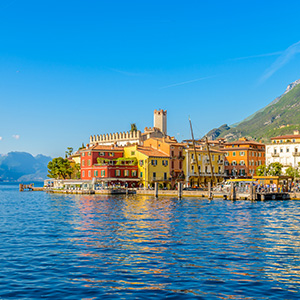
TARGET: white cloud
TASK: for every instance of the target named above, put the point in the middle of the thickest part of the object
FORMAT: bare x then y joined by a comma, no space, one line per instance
1,138
186,82
282,60
16,136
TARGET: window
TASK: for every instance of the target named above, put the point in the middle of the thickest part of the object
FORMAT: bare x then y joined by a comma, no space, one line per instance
275,151
89,153
133,173
180,164
111,154
141,162
213,157
242,163
153,162
233,153
242,153
165,176
192,156
226,163
141,174
233,163
89,162
83,174
259,154
259,162
82,154
83,162
89,173
287,150
103,173
172,153
281,150
180,154
172,164
280,141
126,173
101,153
294,140
96,173
192,169
199,157
118,173
165,163
154,175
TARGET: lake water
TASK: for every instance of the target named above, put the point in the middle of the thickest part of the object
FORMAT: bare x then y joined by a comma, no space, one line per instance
103,247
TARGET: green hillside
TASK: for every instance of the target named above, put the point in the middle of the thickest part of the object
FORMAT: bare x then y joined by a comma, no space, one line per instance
277,118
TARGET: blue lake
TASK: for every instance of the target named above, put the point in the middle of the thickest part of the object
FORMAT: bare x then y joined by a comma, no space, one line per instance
102,247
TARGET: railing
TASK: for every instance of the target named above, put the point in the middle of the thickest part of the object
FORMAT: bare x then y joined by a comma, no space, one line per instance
220,161
296,153
275,154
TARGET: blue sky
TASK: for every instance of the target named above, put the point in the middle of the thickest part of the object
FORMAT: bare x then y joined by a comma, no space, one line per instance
70,69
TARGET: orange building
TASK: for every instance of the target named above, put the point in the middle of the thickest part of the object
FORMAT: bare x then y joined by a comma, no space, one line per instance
174,150
243,157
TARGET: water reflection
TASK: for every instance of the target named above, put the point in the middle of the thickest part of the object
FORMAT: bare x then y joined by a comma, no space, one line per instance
139,247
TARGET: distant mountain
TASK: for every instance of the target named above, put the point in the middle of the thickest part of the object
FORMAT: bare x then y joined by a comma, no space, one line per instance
22,166
281,116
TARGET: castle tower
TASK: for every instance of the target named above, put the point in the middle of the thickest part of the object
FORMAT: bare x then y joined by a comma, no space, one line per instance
160,120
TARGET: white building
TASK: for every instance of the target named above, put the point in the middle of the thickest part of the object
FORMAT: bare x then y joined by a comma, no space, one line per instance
284,149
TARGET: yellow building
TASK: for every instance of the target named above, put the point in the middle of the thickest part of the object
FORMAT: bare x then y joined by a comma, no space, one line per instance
190,166
153,165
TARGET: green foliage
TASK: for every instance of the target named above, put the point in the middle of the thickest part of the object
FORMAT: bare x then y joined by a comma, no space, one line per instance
273,169
133,127
102,161
69,152
59,168
82,147
261,170
132,161
292,172
270,121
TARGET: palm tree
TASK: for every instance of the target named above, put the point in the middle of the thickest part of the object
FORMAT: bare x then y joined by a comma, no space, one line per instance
133,127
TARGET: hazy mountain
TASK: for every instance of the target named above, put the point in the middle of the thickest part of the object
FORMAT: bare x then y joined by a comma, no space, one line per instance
22,166
281,116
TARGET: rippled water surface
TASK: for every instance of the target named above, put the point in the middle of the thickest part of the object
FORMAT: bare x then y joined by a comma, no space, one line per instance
103,247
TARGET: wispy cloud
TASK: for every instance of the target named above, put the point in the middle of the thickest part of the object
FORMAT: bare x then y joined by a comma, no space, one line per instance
186,82
16,136
282,60
125,72
258,55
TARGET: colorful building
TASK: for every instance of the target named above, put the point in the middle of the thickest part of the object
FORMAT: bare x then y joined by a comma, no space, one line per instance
243,157
174,150
206,159
153,165
107,165
284,149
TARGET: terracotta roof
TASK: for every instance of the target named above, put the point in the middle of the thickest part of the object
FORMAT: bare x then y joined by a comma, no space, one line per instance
198,149
151,152
102,147
288,136
243,143
242,148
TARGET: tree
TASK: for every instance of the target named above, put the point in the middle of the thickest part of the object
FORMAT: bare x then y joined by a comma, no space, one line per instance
292,172
82,147
133,127
69,152
59,168
261,170
275,169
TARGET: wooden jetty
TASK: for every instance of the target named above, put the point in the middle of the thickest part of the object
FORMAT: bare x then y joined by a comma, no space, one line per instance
29,187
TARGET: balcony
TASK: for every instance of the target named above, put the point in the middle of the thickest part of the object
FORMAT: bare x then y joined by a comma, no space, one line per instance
275,154
296,153
180,157
220,161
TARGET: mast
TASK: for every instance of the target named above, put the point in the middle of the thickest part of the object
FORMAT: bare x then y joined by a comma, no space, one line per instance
195,153
210,162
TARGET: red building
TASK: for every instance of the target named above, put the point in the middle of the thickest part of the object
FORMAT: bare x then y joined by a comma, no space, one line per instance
107,165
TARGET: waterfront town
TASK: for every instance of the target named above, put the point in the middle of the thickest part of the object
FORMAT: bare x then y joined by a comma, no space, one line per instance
139,160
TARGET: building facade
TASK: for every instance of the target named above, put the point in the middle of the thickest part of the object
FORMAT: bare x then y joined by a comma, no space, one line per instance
243,157
106,165
284,149
153,165
216,159
175,151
